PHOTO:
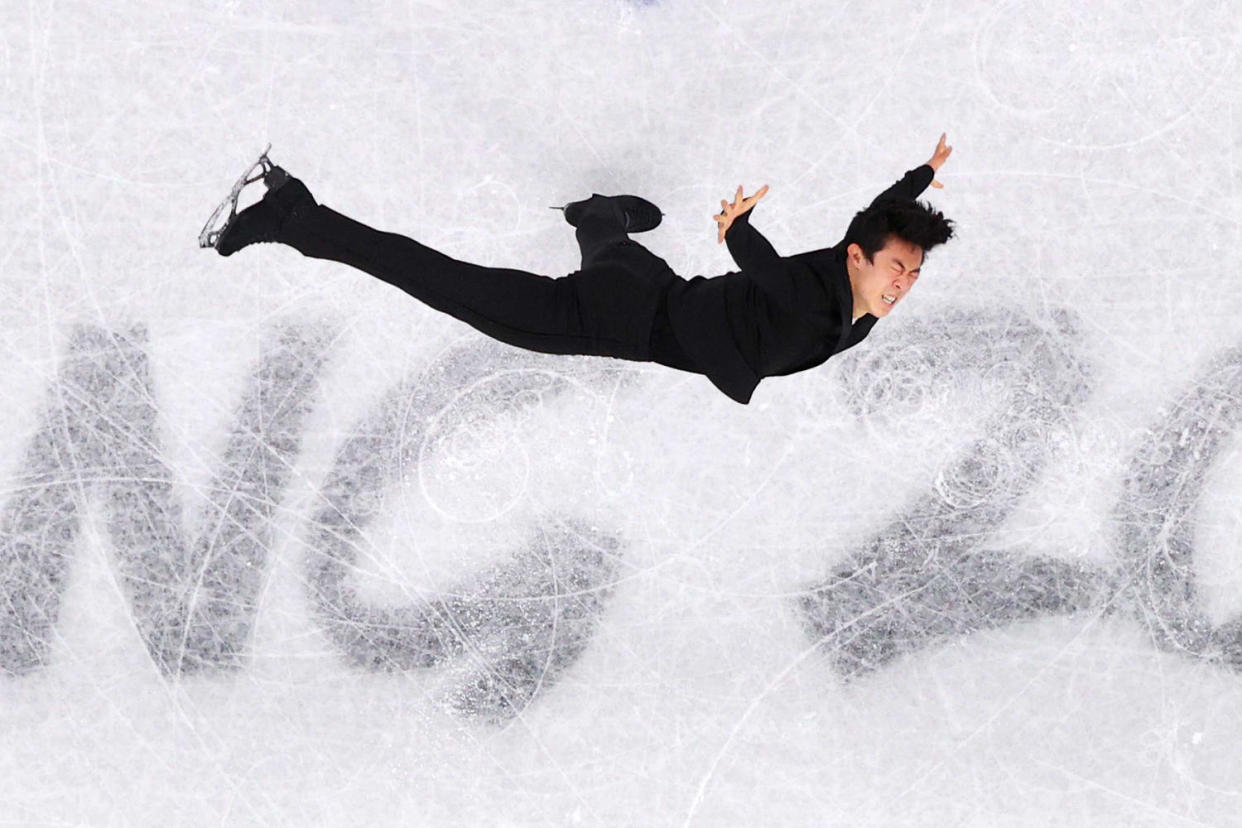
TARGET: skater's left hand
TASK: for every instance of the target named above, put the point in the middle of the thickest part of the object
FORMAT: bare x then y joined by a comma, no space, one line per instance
938,158
728,212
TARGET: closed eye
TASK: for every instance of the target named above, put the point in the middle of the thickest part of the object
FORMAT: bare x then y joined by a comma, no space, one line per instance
898,267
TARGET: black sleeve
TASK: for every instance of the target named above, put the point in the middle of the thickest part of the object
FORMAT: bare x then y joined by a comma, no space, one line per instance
911,184
748,247
758,259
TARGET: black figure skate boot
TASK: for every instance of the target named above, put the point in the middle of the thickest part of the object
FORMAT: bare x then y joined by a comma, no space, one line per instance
637,215
286,198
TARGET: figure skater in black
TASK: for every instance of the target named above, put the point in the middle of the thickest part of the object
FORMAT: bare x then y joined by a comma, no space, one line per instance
774,316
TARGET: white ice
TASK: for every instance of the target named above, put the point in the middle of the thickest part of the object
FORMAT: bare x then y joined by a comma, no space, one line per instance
280,545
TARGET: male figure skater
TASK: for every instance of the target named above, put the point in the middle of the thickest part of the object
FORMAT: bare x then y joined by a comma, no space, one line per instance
775,316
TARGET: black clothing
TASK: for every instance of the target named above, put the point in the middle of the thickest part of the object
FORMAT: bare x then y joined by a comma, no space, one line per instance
777,315
636,215
605,309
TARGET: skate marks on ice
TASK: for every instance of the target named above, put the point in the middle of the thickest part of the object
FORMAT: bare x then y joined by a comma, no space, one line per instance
506,633
923,579
193,599
1091,90
1155,519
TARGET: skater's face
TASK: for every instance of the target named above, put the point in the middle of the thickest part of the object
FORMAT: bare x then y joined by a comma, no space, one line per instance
880,284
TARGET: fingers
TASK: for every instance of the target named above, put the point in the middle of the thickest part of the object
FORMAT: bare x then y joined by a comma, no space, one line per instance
937,185
739,205
942,153
738,197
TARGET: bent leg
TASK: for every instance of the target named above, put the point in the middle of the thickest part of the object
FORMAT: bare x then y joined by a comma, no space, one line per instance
596,234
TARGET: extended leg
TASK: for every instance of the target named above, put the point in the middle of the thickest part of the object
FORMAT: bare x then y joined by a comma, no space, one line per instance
514,306
605,309
520,308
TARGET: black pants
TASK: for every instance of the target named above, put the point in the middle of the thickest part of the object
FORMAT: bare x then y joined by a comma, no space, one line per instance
614,306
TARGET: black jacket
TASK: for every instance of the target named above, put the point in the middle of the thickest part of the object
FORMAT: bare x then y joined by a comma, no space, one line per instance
778,315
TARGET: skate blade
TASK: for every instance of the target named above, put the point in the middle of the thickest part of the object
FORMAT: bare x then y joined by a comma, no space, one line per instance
210,233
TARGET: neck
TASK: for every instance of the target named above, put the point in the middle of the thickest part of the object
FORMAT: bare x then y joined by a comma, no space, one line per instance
860,306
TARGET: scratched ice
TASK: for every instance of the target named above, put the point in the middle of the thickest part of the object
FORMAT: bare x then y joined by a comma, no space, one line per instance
193,598
524,622
1156,517
923,578
281,546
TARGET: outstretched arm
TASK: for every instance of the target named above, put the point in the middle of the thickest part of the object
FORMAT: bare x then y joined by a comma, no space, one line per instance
755,255
916,180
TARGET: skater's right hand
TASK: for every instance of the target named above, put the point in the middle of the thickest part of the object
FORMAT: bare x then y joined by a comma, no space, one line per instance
728,212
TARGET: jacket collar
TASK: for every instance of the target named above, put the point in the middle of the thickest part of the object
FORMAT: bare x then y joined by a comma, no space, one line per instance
845,295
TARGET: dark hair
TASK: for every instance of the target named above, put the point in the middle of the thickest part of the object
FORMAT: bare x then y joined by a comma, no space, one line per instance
909,220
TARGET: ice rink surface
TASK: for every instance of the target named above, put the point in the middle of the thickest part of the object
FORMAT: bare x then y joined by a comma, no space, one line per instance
280,545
